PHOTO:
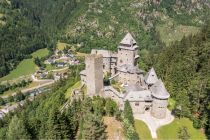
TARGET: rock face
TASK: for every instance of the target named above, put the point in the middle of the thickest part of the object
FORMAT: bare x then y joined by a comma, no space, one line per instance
94,73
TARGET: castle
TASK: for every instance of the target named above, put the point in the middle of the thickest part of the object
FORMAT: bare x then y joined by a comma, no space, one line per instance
144,92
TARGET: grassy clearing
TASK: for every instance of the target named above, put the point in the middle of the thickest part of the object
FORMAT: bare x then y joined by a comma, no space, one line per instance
70,90
171,33
26,66
50,67
142,130
81,54
170,131
40,53
61,46
114,128
118,87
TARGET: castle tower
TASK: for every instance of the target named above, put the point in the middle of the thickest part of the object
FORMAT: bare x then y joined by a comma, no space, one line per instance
94,74
151,77
127,51
160,100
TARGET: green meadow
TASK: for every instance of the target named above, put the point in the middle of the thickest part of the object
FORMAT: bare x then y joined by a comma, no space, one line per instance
142,130
26,66
170,131
169,34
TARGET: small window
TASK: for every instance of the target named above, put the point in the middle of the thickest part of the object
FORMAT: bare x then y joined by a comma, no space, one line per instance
136,103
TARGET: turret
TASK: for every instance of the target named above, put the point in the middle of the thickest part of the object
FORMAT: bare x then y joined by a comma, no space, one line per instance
151,77
160,100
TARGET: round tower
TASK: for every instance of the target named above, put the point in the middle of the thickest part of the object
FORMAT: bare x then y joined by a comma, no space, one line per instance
160,100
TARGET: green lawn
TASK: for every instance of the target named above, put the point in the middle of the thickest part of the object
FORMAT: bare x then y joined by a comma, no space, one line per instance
26,66
169,34
61,46
170,131
70,90
142,130
50,67
40,53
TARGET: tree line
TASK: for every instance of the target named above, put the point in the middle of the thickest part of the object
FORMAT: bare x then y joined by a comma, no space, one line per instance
185,68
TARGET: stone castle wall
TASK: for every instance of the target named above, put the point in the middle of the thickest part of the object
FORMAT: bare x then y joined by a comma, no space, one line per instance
139,106
125,57
159,108
107,64
130,78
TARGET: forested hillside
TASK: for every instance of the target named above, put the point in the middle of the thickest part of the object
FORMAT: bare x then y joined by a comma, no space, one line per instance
102,24
43,118
29,26
92,24
185,69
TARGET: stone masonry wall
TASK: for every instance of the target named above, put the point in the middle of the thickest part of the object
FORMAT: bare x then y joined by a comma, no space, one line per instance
126,57
94,72
159,108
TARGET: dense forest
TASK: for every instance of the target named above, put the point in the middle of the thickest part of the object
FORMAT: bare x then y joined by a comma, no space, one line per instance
185,68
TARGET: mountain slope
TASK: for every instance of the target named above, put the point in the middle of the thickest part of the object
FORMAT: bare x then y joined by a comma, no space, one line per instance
104,23
185,68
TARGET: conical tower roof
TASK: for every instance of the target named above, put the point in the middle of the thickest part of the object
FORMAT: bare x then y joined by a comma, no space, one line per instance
151,77
128,40
159,91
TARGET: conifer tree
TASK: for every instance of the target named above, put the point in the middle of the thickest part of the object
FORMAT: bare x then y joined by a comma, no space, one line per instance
183,133
57,126
130,130
128,113
93,128
17,129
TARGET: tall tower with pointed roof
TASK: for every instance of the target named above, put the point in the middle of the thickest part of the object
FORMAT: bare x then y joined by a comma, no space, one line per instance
127,51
